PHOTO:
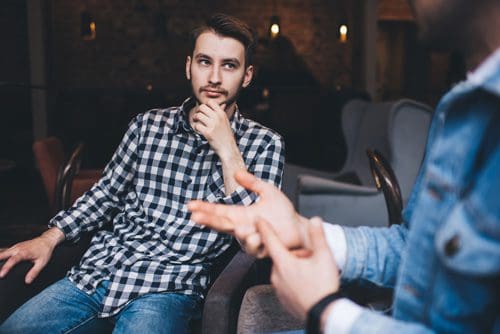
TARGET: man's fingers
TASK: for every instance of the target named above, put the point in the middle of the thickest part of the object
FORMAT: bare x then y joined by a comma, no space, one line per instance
201,118
34,271
197,205
251,182
301,252
253,245
11,262
277,251
6,254
242,231
218,223
215,106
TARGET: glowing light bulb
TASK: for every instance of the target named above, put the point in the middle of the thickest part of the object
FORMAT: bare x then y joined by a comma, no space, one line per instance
343,33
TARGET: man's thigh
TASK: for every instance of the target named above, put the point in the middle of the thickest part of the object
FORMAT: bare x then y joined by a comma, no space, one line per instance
61,308
159,313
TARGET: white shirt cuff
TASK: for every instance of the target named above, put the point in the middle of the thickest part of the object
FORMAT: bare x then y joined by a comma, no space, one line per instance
335,237
342,316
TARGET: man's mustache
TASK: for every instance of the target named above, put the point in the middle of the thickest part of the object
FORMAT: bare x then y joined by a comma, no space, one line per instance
214,89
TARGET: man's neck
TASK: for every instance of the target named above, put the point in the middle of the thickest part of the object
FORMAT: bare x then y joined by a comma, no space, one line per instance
484,37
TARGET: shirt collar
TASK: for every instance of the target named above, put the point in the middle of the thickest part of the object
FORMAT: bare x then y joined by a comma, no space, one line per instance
181,118
487,74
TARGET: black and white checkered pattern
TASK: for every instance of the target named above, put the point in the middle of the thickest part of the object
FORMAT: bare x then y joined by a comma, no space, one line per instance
159,166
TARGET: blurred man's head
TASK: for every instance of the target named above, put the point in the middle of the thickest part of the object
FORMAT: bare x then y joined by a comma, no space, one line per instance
456,24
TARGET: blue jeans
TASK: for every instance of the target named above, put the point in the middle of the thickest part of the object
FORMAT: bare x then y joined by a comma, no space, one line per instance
63,308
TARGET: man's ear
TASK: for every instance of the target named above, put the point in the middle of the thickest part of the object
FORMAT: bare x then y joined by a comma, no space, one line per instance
188,67
248,76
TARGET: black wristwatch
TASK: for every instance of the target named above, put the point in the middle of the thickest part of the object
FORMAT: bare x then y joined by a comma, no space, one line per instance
314,314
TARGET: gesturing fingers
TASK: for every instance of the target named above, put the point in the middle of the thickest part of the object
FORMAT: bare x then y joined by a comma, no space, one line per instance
252,183
277,251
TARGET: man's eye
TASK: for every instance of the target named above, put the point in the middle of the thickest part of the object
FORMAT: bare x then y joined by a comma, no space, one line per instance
204,62
230,66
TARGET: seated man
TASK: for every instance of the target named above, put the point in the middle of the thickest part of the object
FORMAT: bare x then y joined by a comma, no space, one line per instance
444,260
149,274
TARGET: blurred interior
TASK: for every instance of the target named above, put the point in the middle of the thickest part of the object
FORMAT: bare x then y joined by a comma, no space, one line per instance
80,70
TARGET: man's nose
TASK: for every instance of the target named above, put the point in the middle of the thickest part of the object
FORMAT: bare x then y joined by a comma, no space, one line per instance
215,76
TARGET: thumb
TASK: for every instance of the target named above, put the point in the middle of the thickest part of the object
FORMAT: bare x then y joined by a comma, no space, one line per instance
277,251
317,236
251,182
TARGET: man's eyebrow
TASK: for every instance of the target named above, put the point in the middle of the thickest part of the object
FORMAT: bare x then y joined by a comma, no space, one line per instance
202,55
232,60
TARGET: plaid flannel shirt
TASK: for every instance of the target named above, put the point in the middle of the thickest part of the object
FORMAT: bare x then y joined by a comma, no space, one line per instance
159,166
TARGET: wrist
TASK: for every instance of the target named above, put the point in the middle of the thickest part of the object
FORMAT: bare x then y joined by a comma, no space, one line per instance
230,153
315,315
54,236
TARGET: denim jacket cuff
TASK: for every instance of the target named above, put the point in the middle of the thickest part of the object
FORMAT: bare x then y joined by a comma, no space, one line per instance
357,244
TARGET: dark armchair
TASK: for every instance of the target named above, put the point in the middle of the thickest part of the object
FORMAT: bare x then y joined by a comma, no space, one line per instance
398,131
221,307
62,177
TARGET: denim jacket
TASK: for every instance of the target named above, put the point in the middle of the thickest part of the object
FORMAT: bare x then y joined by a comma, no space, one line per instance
444,260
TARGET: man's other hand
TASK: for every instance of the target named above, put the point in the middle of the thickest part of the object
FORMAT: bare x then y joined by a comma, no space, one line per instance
38,250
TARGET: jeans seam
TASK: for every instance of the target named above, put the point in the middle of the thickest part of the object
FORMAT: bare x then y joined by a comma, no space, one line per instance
79,324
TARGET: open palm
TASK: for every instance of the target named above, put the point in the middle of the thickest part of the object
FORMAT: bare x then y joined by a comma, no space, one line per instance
272,205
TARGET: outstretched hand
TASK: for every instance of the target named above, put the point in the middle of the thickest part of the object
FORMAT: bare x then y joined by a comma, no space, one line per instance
38,250
301,281
240,221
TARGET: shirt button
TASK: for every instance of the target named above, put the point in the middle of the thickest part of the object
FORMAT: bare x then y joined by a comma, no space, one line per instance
452,245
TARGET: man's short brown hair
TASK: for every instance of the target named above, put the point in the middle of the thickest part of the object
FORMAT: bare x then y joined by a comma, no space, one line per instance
228,26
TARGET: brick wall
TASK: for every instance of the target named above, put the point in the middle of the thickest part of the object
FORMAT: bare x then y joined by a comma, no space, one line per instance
143,41
394,10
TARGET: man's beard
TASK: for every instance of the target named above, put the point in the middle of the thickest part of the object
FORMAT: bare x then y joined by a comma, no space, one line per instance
230,99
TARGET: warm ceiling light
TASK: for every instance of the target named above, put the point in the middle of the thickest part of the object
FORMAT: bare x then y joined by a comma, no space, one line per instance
274,28
343,33
88,27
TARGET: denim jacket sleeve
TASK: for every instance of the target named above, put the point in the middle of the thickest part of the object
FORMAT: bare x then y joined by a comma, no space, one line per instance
373,254
373,322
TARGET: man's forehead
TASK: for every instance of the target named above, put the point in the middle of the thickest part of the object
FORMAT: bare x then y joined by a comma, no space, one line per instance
217,46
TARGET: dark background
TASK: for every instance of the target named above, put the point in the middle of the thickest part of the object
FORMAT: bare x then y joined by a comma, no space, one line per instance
136,62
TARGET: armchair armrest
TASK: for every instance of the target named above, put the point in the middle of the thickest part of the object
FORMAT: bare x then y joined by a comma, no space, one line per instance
308,184
222,304
340,203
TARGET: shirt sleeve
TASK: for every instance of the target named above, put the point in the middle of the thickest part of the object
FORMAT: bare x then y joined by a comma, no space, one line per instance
98,205
268,166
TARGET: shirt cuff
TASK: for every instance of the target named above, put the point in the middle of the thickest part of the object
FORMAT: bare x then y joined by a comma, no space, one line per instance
239,196
335,237
342,316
